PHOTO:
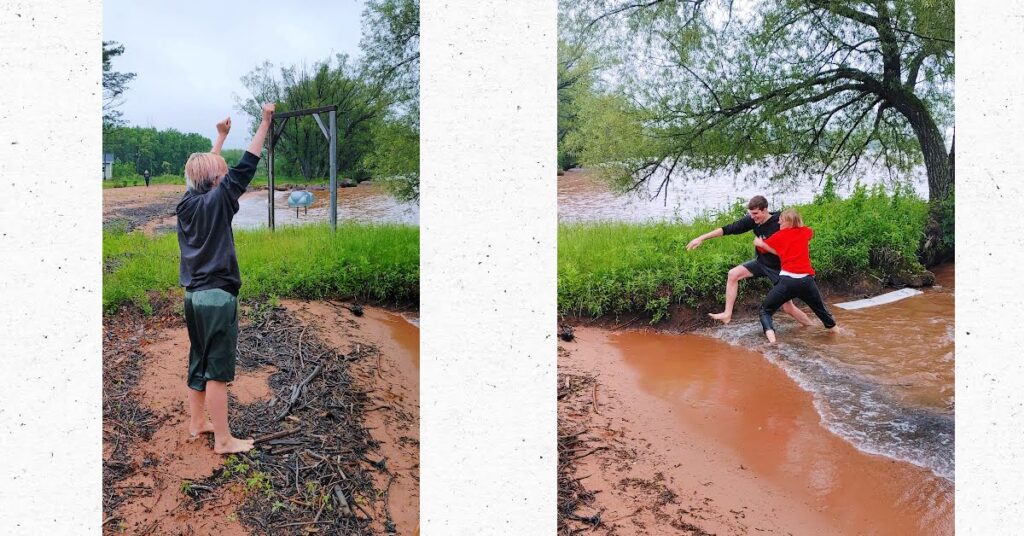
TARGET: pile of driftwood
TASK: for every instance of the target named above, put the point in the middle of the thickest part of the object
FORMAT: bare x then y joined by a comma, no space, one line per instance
310,471
574,394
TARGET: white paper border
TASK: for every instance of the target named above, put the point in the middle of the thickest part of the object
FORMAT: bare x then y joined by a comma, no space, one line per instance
990,286
50,246
488,225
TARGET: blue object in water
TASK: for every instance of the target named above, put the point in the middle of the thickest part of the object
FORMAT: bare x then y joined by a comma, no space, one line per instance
300,198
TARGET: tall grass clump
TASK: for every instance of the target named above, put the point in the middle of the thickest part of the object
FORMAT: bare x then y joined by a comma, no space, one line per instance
370,262
616,268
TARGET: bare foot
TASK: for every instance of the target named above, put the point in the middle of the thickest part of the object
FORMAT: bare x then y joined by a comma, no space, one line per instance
233,445
206,428
724,318
771,336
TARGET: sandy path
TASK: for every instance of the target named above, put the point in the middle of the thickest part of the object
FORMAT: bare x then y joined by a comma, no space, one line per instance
393,386
136,196
141,207
727,455
169,459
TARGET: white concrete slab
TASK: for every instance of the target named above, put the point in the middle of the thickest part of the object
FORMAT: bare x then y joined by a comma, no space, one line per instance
881,299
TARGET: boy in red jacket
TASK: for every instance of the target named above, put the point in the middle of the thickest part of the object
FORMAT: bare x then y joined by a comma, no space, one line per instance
796,278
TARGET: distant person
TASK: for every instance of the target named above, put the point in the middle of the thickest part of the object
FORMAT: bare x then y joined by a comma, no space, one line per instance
796,278
145,175
209,272
764,224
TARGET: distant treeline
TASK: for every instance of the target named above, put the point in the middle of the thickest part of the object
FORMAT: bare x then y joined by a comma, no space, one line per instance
162,152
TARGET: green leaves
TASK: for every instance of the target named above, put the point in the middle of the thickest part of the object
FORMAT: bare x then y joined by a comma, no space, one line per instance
149,148
617,268
814,87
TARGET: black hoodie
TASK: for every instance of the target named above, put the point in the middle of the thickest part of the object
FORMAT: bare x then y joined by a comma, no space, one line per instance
763,231
204,231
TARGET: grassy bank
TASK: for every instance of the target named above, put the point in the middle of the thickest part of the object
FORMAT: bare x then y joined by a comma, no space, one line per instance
378,263
618,268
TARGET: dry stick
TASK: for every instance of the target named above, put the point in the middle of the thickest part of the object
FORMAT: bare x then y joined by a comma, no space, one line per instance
302,364
296,390
598,449
343,505
625,323
276,435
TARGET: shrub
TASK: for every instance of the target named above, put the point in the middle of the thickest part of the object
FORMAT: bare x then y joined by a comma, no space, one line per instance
617,268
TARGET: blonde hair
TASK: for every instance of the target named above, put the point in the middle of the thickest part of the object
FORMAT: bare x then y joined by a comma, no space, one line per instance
203,169
792,216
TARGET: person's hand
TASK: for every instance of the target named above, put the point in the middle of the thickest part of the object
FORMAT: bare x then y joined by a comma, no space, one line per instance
268,110
759,243
224,126
694,244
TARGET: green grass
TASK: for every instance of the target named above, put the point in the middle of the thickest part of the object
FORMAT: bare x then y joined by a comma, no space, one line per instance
618,268
370,262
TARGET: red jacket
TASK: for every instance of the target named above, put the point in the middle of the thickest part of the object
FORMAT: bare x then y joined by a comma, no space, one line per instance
792,245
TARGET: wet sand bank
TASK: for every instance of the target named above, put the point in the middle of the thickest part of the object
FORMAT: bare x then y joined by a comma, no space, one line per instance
163,463
736,440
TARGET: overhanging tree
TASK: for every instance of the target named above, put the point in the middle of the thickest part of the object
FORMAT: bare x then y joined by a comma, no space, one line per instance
331,82
391,58
816,87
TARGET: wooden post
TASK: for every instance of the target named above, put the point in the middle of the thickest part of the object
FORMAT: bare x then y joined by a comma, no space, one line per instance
333,142
270,179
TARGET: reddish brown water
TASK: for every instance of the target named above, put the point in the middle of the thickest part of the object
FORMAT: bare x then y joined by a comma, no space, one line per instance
887,385
856,428
582,197
741,409
367,203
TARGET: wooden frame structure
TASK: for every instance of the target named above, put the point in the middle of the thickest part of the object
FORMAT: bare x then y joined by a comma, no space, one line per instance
330,132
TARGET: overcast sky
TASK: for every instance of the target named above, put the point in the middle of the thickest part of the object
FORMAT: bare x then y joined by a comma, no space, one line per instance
189,57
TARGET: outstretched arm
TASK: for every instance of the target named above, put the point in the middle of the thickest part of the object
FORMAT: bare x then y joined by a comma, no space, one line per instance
696,242
256,145
222,134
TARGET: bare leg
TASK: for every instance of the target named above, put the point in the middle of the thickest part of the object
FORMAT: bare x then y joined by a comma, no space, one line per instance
796,313
199,423
732,285
217,405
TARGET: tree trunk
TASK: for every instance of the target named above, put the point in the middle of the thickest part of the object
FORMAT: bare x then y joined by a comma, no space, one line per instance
939,167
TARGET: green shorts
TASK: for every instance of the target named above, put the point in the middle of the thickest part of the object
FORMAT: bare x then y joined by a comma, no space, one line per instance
212,320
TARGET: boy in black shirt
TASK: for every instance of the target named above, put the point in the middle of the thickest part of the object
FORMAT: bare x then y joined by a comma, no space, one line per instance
209,272
764,264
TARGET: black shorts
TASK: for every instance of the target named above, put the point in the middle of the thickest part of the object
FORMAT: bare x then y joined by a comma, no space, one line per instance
758,268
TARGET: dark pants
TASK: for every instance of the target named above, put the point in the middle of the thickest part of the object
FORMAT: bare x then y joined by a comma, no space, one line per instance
788,288
212,320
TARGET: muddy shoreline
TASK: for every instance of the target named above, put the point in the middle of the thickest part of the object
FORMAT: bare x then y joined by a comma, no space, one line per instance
343,469
685,319
736,447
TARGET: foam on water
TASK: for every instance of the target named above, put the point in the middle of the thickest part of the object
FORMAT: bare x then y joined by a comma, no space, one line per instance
856,408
